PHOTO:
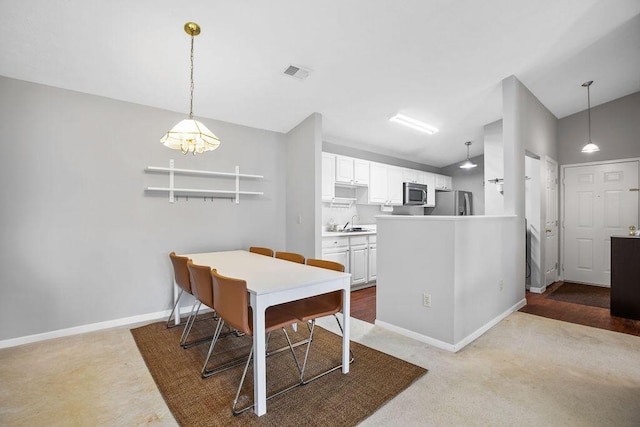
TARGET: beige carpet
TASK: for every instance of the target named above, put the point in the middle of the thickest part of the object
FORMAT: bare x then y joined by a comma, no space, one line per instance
526,371
335,399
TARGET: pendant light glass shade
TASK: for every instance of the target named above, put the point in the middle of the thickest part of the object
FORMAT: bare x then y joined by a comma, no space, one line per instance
191,136
590,147
468,164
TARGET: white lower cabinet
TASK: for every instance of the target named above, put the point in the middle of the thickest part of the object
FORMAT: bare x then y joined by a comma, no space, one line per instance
371,275
355,254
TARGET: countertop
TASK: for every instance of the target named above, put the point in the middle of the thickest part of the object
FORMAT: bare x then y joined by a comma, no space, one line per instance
371,229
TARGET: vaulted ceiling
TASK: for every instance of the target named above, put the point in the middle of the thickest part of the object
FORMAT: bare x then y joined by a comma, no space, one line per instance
441,61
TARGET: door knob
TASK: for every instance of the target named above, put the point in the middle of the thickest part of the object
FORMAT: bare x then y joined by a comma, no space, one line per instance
632,230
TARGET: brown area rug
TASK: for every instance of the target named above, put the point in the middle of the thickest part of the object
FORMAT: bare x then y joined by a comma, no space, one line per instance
333,400
595,296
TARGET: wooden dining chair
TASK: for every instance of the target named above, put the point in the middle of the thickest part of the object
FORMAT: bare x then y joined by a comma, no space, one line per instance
309,309
261,251
290,256
231,302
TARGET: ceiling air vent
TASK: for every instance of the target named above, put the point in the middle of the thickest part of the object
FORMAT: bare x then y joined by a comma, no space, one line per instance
297,72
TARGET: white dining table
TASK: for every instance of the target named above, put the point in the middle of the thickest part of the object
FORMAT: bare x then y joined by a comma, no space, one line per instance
272,281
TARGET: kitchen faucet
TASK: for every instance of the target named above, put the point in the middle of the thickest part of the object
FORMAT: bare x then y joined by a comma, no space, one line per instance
353,218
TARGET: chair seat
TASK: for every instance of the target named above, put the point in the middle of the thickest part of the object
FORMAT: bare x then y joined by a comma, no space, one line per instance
313,307
275,318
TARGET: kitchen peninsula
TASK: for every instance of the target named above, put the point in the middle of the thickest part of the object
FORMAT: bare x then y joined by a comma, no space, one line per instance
445,280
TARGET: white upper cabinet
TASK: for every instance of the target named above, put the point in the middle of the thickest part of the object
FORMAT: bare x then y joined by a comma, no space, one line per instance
361,171
385,184
378,183
430,182
394,184
328,176
410,175
352,171
444,182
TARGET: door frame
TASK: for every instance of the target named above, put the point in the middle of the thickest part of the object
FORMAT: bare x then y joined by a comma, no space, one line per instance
562,197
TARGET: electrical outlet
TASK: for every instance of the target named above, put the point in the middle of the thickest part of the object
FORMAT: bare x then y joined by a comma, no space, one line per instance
426,299
501,284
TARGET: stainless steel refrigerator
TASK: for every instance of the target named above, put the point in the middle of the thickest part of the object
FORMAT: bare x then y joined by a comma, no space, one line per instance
453,203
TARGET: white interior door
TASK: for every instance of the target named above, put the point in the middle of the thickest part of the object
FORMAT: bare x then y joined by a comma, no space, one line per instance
600,201
551,222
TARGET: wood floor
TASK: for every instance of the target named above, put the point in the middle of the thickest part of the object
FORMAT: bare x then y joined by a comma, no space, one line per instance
363,307
596,317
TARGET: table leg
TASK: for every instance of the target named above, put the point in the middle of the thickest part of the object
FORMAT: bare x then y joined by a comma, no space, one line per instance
259,359
176,294
346,324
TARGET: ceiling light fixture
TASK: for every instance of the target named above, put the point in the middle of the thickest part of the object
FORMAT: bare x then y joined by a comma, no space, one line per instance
413,123
468,164
191,136
590,147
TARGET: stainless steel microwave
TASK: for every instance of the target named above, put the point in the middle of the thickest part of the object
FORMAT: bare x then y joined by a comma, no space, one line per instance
414,194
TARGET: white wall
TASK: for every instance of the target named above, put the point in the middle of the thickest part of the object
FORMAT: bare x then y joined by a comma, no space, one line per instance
459,261
304,169
81,240
493,168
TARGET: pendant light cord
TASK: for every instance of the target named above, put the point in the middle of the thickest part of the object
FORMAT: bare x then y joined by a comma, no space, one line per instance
191,97
589,110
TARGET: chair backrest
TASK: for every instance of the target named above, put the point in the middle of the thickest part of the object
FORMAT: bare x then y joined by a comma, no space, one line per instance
334,298
181,272
231,301
261,251
202,284
329,265
290,256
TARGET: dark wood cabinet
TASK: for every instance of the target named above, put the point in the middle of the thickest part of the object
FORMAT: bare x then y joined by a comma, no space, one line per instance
625,277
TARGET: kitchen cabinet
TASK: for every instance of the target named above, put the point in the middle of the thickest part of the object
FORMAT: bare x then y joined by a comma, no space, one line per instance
336,250
328,177
385,184
358,264
372,270
412,175
430,182
394,185
351,171
356,253
444,182
378,183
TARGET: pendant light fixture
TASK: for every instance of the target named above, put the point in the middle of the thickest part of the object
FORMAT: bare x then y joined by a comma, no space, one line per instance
468,164
190,136
590,147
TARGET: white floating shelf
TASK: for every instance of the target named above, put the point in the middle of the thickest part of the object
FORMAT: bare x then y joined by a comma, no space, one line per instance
227,194
199,172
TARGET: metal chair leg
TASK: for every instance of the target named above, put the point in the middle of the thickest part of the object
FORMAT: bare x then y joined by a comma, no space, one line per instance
190,321
328,371
244,374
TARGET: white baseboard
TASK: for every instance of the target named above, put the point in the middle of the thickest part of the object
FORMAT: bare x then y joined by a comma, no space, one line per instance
12,342
460,344
538,290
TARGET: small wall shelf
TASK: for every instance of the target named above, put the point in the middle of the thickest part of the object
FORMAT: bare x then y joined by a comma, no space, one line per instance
174,191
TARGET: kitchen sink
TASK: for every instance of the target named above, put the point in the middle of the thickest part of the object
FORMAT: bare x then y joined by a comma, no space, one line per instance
354,230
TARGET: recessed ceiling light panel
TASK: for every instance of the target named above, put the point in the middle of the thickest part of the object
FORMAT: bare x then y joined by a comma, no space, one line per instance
414,124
